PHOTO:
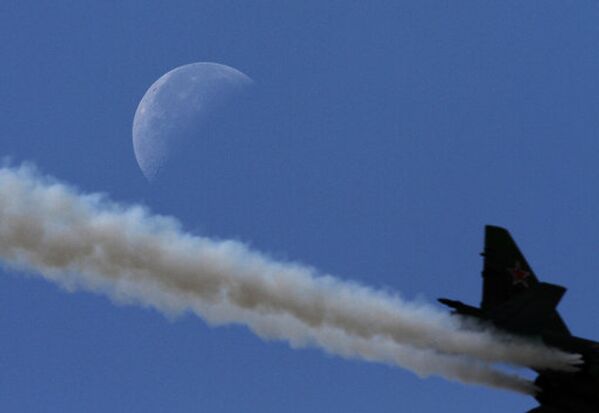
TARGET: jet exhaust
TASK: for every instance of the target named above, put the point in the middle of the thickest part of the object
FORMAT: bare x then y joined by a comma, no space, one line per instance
85,241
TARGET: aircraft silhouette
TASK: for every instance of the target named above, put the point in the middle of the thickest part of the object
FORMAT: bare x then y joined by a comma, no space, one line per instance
514,300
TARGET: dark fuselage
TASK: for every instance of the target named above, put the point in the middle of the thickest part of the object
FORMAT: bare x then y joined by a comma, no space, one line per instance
560,392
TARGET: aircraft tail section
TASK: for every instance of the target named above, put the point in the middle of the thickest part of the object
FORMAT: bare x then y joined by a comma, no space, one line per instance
505,271
532,312
513,297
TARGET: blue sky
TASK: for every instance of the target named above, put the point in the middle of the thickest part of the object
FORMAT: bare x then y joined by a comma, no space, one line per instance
376,143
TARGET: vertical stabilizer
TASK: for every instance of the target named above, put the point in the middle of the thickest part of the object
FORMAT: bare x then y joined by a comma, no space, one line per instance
506,272
513,297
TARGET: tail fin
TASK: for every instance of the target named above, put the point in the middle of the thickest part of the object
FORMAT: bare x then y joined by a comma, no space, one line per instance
512,295
505,272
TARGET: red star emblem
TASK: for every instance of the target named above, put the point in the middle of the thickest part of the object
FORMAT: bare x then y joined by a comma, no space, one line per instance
519,275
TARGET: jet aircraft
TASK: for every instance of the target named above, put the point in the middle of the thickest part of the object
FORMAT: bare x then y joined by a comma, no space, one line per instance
515,301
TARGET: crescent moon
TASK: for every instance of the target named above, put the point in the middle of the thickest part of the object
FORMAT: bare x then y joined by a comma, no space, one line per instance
174,107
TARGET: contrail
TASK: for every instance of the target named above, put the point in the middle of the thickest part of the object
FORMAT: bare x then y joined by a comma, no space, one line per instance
86,241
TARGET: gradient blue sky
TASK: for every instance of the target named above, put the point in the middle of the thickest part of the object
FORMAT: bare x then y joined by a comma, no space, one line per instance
378,140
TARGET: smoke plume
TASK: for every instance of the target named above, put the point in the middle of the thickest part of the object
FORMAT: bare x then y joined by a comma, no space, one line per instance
85,241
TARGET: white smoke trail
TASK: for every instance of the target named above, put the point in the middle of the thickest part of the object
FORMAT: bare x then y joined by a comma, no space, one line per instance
88,242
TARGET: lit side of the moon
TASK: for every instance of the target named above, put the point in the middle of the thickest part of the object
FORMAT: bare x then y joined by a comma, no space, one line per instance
174,107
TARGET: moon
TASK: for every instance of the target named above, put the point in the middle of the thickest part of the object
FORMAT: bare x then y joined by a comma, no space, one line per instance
174,108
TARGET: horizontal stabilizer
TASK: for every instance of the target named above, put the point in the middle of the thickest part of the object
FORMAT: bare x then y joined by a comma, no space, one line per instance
532,312
461,308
